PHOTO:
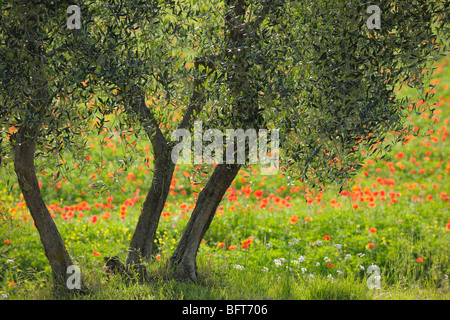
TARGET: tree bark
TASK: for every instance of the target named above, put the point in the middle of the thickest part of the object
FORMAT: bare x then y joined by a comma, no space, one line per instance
24,148
142,241
141,245
24,145
183,260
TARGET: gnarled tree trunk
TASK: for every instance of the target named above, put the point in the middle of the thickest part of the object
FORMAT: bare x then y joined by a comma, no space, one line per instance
24,148
142,241
183,261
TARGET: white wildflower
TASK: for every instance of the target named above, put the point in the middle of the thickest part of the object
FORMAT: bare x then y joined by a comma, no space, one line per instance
326,259
239,267
9,261
338,246
317,264
361,267
4,296
339,271
348,256
301,259
320,243
277,262
304,270
265,269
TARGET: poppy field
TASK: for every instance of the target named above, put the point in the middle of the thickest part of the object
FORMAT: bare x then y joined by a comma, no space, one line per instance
271,238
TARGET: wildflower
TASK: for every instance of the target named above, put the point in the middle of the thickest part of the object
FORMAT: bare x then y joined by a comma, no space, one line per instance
158,257
317,264
311,275
331,278
277,262
7,241
239,267
293,219
4,296
246,243
326,259
232,247
326,237
9,261
419,260
348,256
339,246
258,194
269,245
361,267
220,244
265,269
304,270
307,219
320,243
330,265
370,245
301,259
96,253
361,255
338,271
93,220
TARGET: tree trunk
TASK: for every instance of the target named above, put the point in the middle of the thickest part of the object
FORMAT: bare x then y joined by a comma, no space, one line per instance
144,235
183,260
24,148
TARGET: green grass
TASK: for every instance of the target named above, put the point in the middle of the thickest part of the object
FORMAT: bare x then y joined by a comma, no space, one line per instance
288,257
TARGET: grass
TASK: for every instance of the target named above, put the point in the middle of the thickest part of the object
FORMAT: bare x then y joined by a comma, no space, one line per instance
269,240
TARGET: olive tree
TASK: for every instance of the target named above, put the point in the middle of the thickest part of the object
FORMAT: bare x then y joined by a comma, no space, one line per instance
41,88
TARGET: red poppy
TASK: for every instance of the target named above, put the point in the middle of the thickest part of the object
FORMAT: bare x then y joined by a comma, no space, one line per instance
93,220
232,247
372,230
329,265
293,219
326,237
370,245
220,244
419,260
96,253
307,219
258,194
7,241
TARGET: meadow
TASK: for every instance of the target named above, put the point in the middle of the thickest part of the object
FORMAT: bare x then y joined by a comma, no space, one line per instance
272,238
